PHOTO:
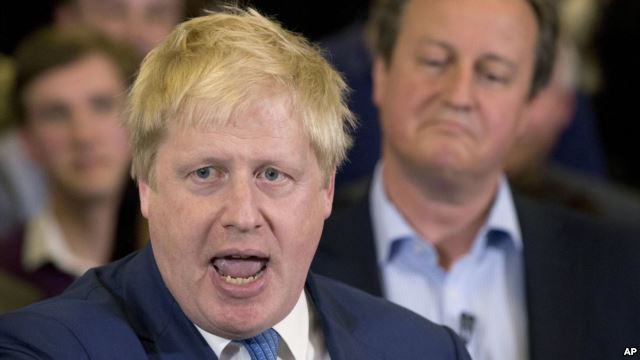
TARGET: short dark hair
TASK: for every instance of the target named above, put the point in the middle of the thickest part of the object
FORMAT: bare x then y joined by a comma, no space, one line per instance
386,16
50,48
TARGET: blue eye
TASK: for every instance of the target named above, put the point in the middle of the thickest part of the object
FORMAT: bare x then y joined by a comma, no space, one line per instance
203,173
271,174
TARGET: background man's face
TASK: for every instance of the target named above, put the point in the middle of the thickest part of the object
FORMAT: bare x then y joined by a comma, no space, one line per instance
236,215
141,23
549,113
452,96
73,127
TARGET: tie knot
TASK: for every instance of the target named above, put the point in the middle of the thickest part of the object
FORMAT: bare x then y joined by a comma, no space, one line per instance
263,346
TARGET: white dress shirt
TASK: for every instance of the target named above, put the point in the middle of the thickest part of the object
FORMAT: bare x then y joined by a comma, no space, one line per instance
301,337
481,297
44,242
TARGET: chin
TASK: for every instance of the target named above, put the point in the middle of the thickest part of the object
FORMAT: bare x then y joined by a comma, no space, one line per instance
234,323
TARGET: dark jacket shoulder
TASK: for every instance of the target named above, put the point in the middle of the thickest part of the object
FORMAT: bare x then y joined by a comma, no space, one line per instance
387,329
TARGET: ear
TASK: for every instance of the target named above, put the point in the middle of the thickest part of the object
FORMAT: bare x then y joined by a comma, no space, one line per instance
144,192
379,76
329,192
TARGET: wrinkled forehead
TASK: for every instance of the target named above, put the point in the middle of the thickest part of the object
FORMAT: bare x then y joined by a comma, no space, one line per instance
509,27
260,128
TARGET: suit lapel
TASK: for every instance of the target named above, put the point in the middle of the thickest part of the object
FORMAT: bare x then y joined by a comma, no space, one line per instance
552,287
338,325
163,328
347,250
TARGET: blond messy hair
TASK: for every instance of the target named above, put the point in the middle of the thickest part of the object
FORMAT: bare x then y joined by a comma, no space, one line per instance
210,66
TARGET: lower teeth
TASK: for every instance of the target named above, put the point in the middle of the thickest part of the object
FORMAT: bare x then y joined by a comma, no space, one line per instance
241,281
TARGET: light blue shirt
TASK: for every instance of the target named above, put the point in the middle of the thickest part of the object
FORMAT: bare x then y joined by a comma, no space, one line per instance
481,297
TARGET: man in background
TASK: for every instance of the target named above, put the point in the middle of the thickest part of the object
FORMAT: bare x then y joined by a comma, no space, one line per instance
140,23
69,95
531,169
440,231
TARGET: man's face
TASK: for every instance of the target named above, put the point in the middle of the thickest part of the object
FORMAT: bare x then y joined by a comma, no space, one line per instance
73,115
235,216
142,23
451,98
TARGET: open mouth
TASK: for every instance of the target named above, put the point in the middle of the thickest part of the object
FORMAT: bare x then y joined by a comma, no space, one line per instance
240,270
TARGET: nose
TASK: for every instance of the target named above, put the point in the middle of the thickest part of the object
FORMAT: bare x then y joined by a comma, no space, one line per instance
459,88
242,213
82,130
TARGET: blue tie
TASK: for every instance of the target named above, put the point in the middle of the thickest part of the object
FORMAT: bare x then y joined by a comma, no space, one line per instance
263,346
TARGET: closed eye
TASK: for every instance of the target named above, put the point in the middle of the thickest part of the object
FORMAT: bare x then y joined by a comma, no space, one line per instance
494,78
433,62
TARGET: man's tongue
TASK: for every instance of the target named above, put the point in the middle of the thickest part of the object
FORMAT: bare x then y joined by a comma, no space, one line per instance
239,268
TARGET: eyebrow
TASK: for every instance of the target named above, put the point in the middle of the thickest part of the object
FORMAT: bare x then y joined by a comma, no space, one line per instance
190,162
49,107
490,56
497,58
431,41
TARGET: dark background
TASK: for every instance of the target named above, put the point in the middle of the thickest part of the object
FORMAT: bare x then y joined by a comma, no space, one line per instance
314,19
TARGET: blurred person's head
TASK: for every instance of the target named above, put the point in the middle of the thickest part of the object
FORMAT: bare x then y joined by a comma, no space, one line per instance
387,17
69,94
237,128
452,80
141,23
549,113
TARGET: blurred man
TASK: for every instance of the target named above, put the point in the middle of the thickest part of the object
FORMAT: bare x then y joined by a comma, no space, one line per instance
530,169
141,23
237,128
69,94
440,232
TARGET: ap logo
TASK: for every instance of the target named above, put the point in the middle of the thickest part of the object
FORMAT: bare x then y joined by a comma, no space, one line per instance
630,351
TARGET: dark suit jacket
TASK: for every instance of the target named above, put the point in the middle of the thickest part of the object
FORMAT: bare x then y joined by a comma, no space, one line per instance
124,311
581,277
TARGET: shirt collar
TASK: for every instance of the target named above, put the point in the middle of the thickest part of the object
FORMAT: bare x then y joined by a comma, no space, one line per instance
389,226
503,216
388,223
293,331
45,243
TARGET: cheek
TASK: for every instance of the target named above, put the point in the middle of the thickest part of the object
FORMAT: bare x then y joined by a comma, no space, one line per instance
176,212
50,146
157,32
113,27
175,229
119,142
505,128
304,229
410,101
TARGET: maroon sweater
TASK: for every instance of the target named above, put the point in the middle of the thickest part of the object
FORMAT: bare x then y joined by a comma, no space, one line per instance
48,279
